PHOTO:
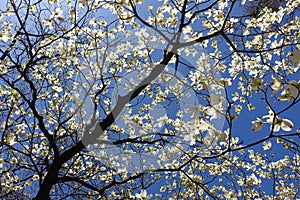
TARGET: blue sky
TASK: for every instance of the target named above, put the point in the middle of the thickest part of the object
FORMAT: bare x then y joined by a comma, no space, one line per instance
242,126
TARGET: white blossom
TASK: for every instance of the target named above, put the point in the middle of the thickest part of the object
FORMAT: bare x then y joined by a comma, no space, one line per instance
291,91
141,195
256,84
295,56
257,125
57,89
283,124
267,145
276,84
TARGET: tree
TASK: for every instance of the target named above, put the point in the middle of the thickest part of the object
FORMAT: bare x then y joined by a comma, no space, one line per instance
125,99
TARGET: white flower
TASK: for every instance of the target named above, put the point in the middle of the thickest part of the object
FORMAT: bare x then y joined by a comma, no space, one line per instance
141,195
204,125
84,2
267,145
142,33
190,137
4,37
295,56
276,84
214,111
291,91
292,87
57,13
256,84
284,124
229,194
253,179
238,109
285,96
243,2
13,160
57,89
257,125
48,22
270,117
35,177
192,142
225,81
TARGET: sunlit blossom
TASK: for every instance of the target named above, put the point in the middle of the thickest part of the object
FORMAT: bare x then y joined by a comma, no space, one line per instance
295,56
256,84
276,84
267,145
283,124
290,92
257,125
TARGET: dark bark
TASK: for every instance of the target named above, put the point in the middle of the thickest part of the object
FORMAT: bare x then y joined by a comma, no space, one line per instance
52,175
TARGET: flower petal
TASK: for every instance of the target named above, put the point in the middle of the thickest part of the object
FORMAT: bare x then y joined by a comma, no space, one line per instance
295,56
284,96
292,88
257,125
276,84
286,125
267,145
276,127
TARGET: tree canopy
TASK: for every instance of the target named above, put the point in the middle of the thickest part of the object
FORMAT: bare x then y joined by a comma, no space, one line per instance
133,99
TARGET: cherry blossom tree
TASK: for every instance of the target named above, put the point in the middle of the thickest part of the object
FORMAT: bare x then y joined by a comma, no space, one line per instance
132,99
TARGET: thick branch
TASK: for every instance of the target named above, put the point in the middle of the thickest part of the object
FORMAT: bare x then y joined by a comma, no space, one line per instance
52,175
